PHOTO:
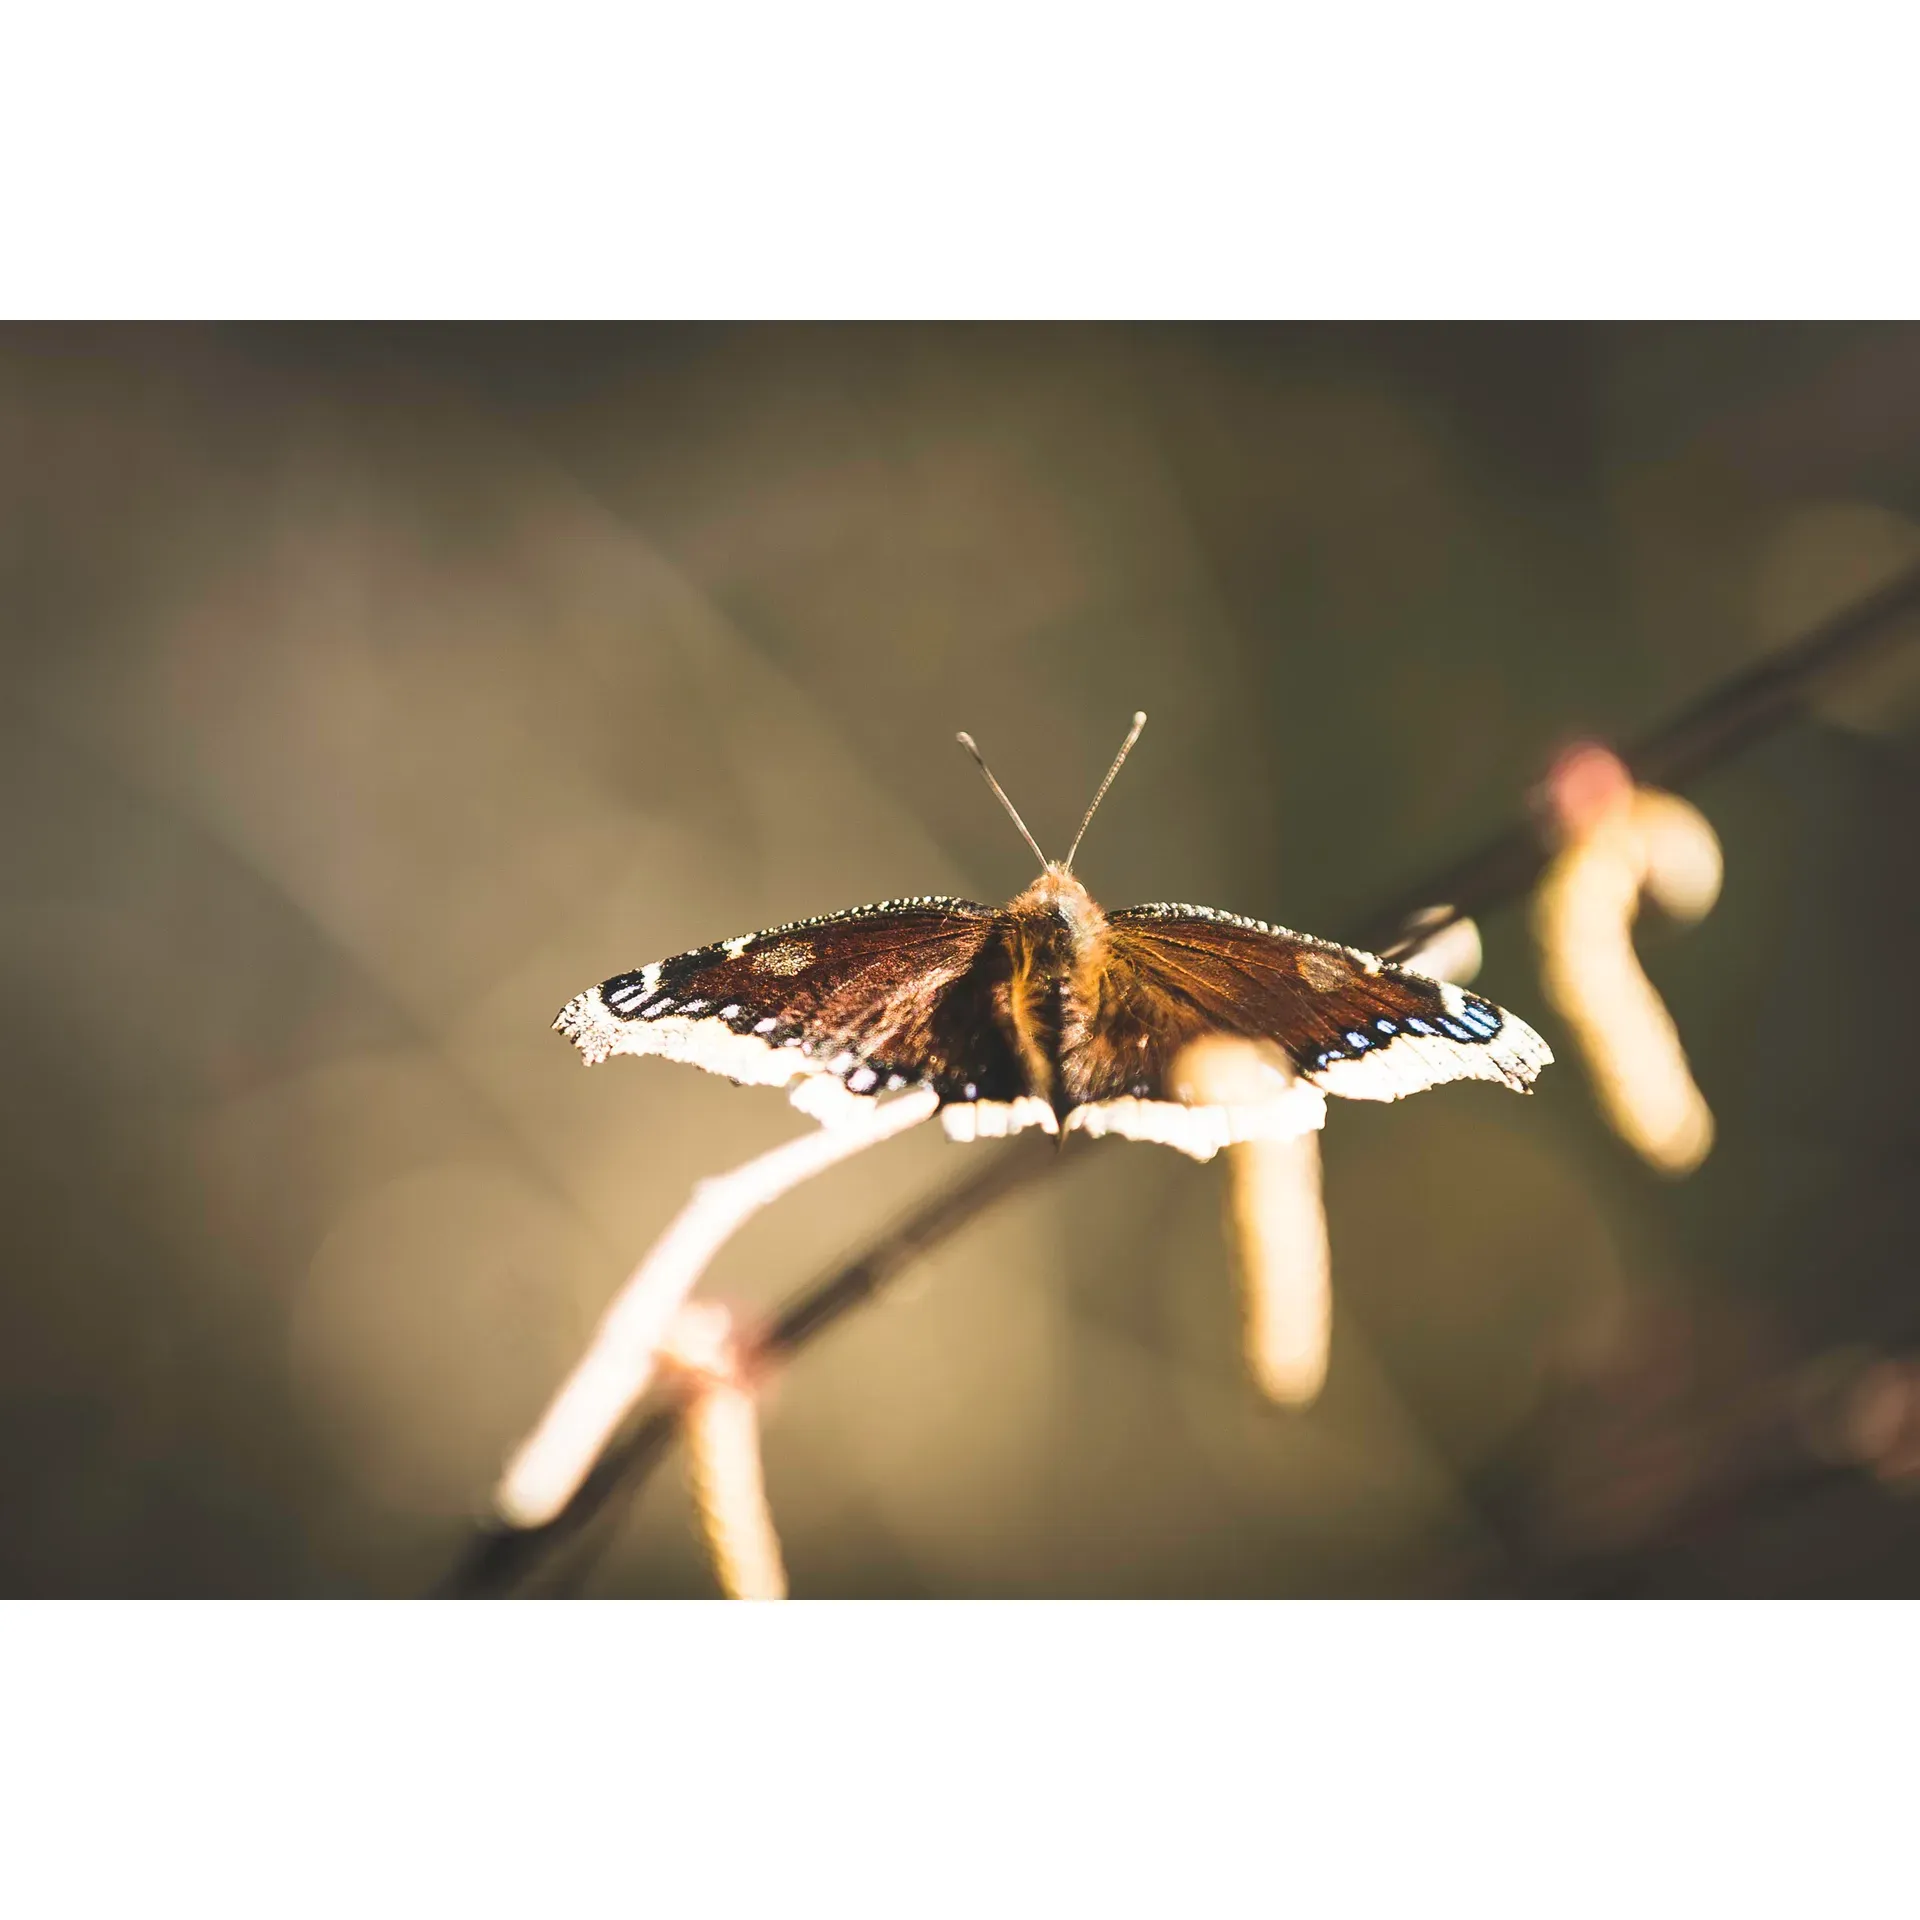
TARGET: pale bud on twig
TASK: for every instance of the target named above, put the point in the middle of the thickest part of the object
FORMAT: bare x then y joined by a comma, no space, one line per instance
1286,1272
1620,843
1277,1225
1449,949
721,1425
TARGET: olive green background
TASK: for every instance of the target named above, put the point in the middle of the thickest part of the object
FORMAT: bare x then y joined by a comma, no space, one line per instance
370,691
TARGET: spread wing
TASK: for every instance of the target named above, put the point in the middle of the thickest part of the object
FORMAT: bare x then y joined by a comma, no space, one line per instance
1329,1019
850,1006
1349,1023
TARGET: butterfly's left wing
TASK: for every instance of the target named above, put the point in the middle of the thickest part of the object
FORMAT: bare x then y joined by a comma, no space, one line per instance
1347,1023
841,1009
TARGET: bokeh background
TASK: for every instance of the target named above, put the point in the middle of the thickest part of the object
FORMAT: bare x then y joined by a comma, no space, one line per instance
370,691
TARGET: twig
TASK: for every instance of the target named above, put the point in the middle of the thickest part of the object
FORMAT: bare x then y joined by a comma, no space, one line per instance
1732,716
619,1363
498,1561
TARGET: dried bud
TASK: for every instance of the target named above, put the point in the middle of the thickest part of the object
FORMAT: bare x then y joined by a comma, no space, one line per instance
1618,843
1277,1224
721,1425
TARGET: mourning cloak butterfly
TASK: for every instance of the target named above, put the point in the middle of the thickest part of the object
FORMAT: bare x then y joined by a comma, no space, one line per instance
1050,1013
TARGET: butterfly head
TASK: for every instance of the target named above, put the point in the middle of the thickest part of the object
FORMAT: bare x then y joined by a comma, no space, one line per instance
1058,895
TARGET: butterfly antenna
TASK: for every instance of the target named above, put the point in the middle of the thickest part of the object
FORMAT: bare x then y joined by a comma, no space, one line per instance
1000,794
1126,747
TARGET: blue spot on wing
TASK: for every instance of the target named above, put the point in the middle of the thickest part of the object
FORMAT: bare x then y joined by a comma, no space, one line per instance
624,995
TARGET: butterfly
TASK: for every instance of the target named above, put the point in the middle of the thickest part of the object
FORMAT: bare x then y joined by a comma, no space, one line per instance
1051,1013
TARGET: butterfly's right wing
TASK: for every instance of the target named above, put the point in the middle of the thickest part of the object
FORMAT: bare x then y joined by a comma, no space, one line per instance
1351,1023
1329,1019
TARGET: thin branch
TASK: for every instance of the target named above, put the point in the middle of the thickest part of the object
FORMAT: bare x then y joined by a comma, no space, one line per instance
1716,727
499,1561
619,1363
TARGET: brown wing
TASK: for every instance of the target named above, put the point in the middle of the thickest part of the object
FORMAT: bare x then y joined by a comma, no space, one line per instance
1351,1024
876,998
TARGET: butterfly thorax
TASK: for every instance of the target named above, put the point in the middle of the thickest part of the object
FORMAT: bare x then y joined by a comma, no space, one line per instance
1055,941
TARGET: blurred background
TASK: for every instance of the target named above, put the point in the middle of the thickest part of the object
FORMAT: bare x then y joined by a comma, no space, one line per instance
370,691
